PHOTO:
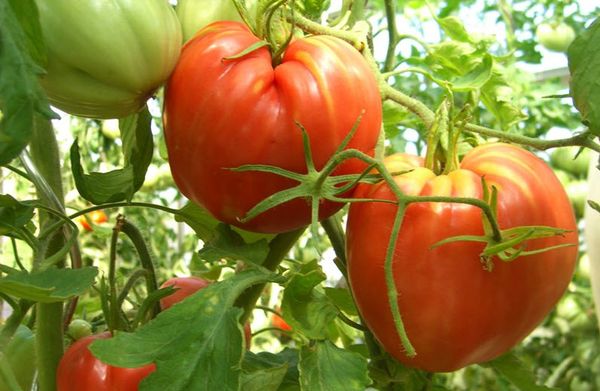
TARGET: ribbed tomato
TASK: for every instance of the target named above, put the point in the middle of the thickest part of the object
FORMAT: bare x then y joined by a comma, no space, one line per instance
221,113
455,311
80,370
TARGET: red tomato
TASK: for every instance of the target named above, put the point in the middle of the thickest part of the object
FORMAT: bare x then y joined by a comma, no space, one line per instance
455,312
96,216
80,370
223,113
186,286
280,323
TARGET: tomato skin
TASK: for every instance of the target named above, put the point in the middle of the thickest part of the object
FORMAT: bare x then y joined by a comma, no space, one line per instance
455,312
80,370
221,114
195,14
106,58
186,286
280,323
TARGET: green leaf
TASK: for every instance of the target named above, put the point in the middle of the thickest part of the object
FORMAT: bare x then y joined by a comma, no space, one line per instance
516,372
496,95
477,77
306,308
121,184
197,344
584,62
230,245
49,286
262,372
27,14
313,9
325,367
13,214
287,358
21,97
454,28
204,224
342,299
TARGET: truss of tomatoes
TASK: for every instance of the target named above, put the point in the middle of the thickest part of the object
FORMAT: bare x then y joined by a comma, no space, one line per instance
457,312
223,111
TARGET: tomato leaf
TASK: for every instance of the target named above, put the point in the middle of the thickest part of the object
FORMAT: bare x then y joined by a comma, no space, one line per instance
263,361
198,336
13,214
477,77
230,245
324,366
120,184
19,102
454,28
584,60
496,95
305,307
49,286
342,299
516,372
262,372
204,224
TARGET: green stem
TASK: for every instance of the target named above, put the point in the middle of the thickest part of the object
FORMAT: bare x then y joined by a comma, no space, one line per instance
134,234
280,246
393,39
49,319
335,232
113,317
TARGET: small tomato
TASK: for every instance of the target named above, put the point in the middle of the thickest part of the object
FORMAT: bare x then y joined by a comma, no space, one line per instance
555,36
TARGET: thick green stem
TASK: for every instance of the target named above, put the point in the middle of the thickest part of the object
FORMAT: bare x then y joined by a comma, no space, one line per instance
279,247
49,319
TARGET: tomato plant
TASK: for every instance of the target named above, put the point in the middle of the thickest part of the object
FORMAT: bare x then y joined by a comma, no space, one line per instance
321,83
454,310
103,60
555,36
80,370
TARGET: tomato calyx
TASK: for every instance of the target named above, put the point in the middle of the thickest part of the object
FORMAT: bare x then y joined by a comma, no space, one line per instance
315,185
507,244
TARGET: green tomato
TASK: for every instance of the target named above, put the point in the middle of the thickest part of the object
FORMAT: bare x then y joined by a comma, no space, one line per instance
555,36
110,129
79,328
20,354
567,159
578,192
195,14
106,58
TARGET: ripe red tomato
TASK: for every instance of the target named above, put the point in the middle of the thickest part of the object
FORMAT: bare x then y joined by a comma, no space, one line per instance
80,370
221,113
96,216
280,323
186,286
455,312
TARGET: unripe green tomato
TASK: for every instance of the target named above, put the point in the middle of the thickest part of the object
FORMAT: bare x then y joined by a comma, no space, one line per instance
78,329
555,36
578,191
110,129
195,14
567,159
20,354
106,58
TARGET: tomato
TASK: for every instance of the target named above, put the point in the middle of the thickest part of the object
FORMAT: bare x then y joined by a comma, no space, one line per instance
578,191
223,113
555,36
79,370
79,328
95,216
567,159
106,58
185,286
455,311
20,354
280,323
195,14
